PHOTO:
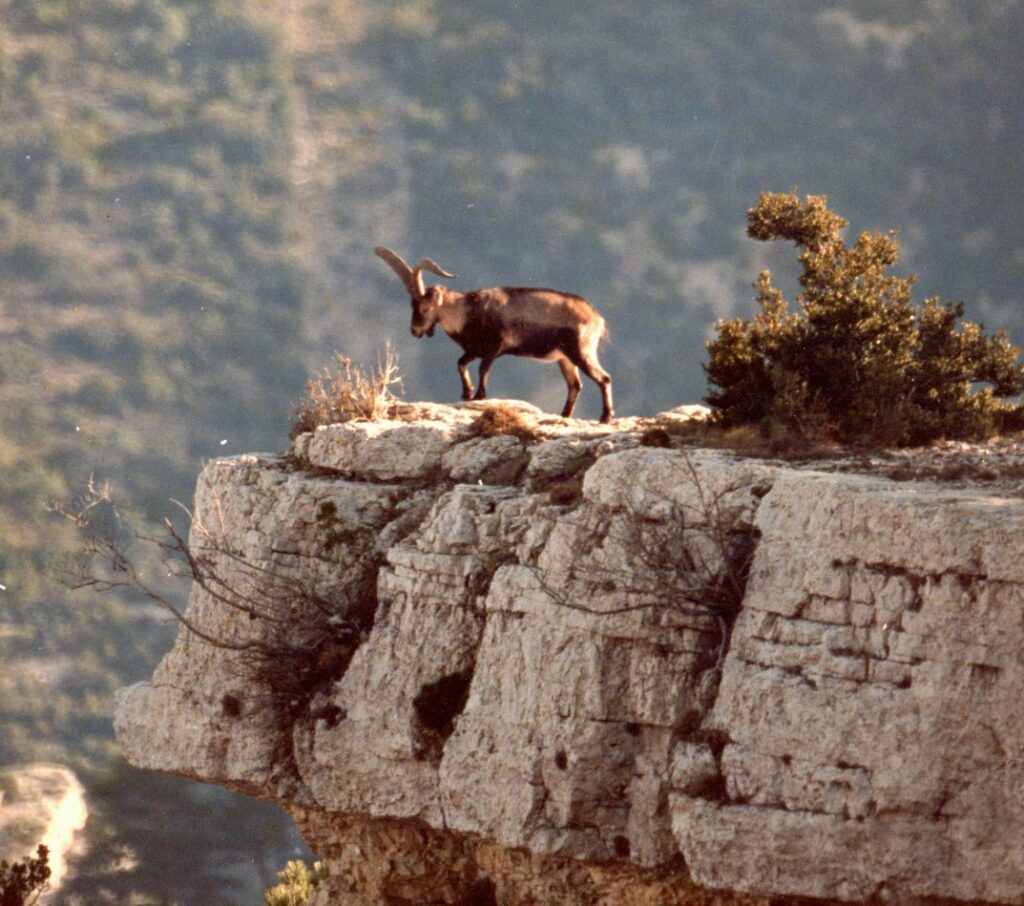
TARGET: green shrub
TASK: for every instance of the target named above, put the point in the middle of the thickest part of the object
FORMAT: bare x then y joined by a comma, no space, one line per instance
22,832
858,361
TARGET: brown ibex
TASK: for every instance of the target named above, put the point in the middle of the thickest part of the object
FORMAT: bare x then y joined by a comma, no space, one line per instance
509,320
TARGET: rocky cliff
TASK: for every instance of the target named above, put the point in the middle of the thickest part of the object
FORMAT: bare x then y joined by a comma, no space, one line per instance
41,804
557,662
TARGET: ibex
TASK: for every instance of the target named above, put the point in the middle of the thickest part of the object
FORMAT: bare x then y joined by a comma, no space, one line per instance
509,320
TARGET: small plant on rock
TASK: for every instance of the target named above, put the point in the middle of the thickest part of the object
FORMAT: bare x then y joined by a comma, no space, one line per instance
498,420
297,881
857,361
348,393
289,641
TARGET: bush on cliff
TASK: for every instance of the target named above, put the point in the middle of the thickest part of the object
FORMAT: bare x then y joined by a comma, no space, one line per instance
858,361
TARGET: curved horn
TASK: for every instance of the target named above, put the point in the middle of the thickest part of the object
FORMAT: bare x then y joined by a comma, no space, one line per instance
412,282
425,264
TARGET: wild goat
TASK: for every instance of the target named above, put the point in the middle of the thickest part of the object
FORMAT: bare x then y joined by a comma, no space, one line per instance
509,320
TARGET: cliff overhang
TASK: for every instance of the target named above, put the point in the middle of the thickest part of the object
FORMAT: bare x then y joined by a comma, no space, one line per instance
588,669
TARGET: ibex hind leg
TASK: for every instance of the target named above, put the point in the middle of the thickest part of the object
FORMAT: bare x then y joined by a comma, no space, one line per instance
485,368
593,370
572,380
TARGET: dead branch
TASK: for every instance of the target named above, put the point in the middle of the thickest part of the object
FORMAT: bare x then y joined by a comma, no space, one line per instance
280,608
691,559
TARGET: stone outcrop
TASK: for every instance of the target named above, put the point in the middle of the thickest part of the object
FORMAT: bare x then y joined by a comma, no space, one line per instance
599,667
43,804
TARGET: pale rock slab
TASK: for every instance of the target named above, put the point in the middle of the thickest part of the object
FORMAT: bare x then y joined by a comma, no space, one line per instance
873,705
383,450
266,515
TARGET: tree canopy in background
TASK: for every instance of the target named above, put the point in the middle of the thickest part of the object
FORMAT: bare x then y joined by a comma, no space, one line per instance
857,361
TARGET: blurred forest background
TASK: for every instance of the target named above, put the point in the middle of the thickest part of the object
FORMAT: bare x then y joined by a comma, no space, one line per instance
190,190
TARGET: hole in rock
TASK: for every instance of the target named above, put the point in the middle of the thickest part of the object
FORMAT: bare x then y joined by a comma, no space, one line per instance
689,722
565,491
621,846
481,893
716,740
561,760
330,714
231,706
984,676
436,706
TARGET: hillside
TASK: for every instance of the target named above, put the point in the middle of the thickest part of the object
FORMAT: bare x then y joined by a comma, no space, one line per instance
189,193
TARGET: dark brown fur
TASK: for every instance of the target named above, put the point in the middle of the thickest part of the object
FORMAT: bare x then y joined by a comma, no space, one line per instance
510,320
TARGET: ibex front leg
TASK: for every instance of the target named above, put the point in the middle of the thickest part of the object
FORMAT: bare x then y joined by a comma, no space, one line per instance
467,382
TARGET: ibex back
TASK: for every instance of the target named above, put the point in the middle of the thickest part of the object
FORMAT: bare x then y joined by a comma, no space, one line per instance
540,324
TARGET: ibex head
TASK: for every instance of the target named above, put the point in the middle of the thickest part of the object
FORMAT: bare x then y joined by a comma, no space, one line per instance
425,302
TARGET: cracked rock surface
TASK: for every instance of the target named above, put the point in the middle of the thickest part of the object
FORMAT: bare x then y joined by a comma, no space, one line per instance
588,670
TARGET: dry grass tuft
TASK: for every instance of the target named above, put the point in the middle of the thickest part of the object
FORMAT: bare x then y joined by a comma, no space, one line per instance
656,437
348,393
498,420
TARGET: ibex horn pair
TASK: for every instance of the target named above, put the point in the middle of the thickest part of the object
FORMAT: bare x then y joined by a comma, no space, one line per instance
412,277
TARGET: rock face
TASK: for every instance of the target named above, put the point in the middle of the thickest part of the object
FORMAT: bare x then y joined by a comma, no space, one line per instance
593,668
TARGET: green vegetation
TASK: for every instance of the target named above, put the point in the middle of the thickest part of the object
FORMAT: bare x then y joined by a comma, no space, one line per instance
189,848
857,362
150,309
8,787
21,833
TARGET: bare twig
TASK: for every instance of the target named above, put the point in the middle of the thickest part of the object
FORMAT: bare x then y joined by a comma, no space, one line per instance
691,560
289,665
